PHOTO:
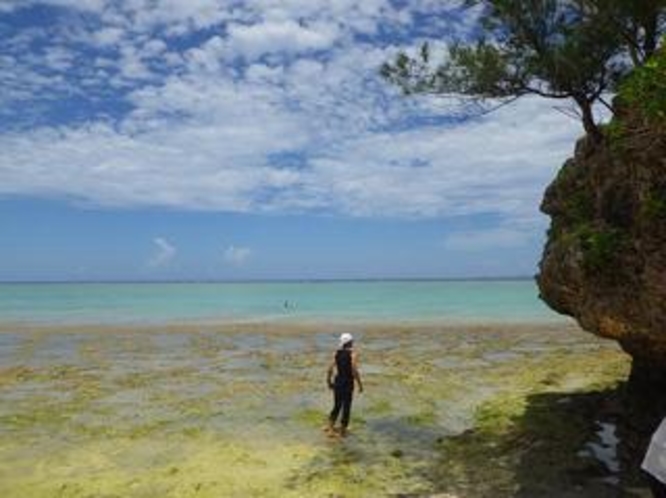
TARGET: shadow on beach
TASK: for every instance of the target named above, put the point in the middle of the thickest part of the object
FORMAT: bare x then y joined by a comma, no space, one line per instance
563,445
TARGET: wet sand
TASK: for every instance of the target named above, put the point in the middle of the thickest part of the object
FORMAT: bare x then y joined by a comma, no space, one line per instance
237,410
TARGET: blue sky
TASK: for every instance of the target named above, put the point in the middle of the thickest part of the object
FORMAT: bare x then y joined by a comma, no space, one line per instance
211,139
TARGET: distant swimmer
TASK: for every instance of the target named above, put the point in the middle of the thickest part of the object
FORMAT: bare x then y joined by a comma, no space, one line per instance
345,365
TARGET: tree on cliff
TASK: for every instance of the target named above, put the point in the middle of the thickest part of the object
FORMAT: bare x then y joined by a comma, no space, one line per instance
558,49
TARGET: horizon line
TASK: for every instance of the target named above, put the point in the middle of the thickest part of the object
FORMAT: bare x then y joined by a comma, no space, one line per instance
272,280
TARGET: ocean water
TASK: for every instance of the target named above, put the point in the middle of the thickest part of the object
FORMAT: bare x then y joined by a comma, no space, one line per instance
387,302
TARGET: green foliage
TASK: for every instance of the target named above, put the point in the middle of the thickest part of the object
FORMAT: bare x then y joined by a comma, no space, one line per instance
580,207
477,70
600,247
645,88
654,206
557,49
618,136
614,131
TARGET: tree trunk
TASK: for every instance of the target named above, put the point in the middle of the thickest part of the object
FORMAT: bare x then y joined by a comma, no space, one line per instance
587,116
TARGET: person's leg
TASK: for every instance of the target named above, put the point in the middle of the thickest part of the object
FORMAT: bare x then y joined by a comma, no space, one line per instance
337,406
347,397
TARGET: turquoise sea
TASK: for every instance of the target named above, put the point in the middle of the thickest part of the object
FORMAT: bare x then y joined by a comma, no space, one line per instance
383,302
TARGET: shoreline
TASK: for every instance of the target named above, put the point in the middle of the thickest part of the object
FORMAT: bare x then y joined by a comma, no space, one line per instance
292,326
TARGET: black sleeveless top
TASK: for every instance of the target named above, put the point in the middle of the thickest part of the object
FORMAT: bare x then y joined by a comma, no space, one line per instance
343,364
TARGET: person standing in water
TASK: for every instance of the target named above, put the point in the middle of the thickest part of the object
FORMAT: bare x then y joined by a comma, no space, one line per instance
345,366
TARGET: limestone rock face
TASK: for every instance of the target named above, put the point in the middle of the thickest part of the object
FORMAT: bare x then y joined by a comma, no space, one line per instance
604,262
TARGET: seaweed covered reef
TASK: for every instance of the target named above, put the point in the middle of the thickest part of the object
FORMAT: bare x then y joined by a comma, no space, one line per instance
448,411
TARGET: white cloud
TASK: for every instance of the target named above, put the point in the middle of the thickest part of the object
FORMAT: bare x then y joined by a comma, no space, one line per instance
286,37
59,59
86,5
237,256
164,253
131,66
109,36
178,16
292,133
498,165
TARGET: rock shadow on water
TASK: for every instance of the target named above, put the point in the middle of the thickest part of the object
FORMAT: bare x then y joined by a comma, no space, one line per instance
562,445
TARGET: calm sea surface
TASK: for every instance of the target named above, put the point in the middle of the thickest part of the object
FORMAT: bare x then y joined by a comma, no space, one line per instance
363,301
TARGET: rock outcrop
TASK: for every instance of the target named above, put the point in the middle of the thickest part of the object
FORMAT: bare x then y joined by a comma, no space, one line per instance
605,259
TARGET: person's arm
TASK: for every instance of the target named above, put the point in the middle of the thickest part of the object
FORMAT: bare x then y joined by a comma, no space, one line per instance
357,375
329,374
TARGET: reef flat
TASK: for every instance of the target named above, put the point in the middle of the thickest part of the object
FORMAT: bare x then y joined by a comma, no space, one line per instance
238,410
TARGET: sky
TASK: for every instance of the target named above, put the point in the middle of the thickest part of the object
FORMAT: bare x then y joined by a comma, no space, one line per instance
233,140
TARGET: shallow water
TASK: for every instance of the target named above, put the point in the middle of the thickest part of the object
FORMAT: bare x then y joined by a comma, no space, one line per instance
239,412
275,302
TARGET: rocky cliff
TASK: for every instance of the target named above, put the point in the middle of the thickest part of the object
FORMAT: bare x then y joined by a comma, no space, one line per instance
605,258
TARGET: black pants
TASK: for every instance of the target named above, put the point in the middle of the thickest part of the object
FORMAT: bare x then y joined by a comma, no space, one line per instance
343,394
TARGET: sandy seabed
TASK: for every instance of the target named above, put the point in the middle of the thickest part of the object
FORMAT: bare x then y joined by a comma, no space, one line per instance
237,410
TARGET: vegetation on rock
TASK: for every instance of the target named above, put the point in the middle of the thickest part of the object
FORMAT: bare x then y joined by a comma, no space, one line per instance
645,89
604,259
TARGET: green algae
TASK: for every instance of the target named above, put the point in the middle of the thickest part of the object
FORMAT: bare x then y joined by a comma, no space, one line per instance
380,407
311,416
528,439
240,413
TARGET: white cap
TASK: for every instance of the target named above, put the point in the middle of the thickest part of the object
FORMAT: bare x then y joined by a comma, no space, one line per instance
345,338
